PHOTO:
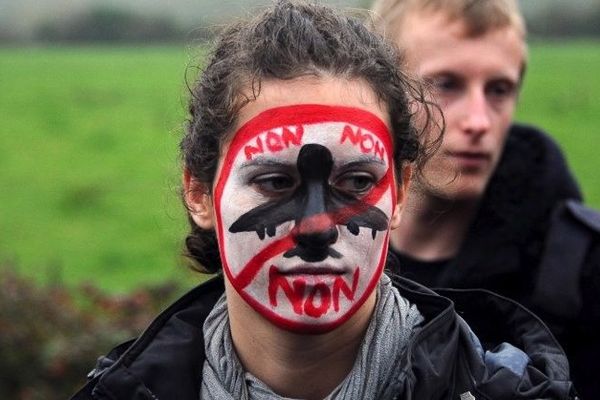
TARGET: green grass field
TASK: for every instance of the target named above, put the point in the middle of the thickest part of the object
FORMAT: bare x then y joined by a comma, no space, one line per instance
561,95
89,166
90,171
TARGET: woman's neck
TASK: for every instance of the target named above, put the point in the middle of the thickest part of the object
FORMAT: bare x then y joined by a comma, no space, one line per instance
296,365
433,228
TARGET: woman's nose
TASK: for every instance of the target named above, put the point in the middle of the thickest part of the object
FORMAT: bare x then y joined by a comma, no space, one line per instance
315,228
317,231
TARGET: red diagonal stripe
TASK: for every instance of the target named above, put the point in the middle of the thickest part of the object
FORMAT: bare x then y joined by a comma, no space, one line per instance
253,266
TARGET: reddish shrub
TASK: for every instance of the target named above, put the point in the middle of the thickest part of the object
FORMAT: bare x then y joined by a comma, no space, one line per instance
50,337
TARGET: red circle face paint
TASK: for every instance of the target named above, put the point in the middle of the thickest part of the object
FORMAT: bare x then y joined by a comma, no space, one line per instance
303,205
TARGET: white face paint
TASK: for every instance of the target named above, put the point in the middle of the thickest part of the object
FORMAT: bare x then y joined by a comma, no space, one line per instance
303,206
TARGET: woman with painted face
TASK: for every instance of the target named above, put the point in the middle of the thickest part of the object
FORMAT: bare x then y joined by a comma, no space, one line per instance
297,154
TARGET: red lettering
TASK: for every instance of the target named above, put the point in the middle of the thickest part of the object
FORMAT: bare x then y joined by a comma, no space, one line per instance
250,150
366,138
318,301
379,151
340,285
324,298
349,134
274,142
294,293
290,138
365,141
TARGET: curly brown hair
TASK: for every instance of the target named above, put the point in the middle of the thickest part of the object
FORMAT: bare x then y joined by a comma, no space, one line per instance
289,40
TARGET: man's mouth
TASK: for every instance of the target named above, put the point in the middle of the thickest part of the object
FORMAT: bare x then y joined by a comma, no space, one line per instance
470,159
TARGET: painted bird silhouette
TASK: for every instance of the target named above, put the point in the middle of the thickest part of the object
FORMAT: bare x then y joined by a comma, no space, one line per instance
312,198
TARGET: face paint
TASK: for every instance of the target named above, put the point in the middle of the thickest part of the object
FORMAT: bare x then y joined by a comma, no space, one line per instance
303,204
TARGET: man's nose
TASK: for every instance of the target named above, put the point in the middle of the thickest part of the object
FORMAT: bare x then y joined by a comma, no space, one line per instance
476,119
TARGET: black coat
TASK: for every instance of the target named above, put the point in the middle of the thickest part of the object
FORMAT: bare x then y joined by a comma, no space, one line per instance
533,242
443,360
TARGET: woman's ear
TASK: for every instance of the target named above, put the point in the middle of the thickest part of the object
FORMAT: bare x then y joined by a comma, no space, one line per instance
198,200
401,193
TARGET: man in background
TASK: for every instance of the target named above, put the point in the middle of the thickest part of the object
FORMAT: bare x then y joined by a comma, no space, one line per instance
496,207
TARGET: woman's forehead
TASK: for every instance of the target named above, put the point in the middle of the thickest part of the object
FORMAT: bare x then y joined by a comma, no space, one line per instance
276,131
321,89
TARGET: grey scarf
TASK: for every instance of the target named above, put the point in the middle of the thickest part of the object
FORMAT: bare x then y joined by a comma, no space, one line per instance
372,376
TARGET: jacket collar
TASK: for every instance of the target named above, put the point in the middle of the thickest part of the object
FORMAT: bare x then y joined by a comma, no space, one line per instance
165,362
443,358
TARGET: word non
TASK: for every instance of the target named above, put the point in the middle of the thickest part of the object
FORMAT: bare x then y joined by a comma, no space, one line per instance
274,140
366,142
315,301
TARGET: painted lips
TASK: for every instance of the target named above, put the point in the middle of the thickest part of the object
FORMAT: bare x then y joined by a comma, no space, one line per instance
312,270
314,297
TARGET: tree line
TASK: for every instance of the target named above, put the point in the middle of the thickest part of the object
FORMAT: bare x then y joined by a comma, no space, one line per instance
112,24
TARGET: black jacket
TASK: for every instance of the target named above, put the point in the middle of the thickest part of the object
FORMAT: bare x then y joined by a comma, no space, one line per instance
444,359
533,242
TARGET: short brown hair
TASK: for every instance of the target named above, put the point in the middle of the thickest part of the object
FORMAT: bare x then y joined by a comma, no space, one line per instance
479,16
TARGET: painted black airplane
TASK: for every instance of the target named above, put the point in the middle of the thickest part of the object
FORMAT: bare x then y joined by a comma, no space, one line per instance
313,196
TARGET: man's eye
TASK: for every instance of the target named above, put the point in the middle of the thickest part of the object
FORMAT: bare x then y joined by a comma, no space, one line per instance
445,84
274,183
355,182
501,89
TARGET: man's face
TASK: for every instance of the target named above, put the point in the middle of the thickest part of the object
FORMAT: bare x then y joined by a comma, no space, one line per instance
475,81
304,199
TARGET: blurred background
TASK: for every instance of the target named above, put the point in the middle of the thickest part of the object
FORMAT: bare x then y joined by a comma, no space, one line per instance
92,105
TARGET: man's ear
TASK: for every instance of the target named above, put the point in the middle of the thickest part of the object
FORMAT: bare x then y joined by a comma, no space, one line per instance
402,192
198,200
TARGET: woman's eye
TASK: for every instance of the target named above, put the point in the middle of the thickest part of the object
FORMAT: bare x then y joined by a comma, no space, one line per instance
355,182
274,183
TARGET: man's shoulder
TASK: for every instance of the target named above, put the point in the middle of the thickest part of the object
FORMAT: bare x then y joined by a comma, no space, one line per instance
543,150
572,240
527,132
529,148
587,216
531,178
529,138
